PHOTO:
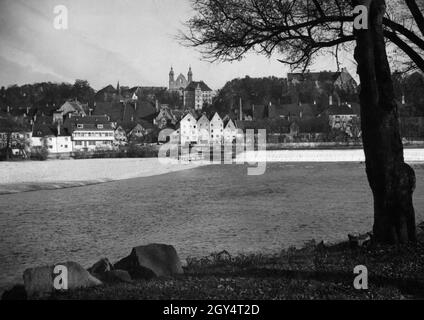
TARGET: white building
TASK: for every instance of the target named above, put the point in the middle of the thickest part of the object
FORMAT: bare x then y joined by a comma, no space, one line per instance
216,129
54,137
91,133
203,126
230,131
188,129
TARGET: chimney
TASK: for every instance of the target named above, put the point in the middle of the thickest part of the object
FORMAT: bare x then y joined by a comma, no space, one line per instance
330,100
241,111
58,128
403,99
157,105
8,109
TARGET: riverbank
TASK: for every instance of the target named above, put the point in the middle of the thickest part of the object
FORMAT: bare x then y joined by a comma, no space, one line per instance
21,176
315,271
321,155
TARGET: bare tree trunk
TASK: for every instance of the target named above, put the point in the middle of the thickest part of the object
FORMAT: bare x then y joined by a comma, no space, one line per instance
392,181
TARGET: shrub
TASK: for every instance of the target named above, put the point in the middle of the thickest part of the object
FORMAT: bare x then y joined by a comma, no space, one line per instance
40,154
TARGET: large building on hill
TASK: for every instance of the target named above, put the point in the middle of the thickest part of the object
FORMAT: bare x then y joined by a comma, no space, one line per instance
342,80
127,94
181,82
196,95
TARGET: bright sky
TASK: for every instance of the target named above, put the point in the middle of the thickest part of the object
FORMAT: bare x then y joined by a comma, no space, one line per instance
130,41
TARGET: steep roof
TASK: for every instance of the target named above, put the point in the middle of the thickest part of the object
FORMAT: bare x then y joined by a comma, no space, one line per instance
129,126
107,89
89,123
72,106
126,112
193,85
44,126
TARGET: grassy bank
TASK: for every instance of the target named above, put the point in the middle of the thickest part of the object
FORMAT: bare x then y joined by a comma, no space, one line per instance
313,272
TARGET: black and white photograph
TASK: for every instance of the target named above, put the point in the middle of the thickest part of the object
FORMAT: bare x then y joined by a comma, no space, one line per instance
211,155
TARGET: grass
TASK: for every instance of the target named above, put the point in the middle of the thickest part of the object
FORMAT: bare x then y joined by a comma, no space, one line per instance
312,272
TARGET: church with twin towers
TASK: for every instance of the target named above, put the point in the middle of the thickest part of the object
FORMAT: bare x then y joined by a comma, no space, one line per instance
196,94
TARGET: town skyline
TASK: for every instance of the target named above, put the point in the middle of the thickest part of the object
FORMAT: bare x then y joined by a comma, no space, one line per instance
103,53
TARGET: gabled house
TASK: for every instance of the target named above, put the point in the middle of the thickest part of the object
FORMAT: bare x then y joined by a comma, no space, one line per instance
120,136
216,129
70,108
188,129
230,131
107,94
50,135
165,117
141,129
203,127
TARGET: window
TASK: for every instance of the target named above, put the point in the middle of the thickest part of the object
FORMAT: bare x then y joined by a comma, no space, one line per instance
78,143
80,126
92,143
99,126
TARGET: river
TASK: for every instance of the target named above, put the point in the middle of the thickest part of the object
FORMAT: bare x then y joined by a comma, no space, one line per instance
199,211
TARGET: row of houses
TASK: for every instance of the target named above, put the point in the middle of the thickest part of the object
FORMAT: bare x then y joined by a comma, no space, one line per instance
204,130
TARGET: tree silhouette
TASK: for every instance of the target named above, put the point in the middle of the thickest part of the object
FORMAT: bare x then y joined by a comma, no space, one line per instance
299,31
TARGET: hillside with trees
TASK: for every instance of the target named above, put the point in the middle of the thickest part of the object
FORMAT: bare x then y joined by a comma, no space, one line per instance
44,97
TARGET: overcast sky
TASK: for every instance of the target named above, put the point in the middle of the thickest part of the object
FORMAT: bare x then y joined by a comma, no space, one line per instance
130,41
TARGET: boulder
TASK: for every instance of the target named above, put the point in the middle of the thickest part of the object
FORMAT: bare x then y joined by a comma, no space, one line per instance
150,261
38,281
115,276
17,292
100,267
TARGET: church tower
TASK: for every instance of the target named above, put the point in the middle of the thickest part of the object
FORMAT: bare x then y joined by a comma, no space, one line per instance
171,79
189,75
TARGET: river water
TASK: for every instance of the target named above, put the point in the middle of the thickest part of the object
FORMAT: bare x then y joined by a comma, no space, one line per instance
199,211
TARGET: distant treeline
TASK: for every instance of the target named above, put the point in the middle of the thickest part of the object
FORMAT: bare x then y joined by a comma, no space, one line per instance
44,97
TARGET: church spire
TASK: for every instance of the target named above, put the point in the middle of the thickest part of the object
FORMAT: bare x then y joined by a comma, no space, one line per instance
171,79
189,75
